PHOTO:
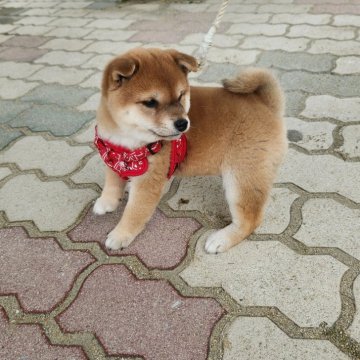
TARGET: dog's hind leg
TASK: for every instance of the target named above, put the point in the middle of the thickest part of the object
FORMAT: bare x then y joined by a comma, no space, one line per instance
246,199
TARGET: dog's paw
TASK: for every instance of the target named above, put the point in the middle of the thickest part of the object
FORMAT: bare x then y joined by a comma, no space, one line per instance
219,241
116,240
103,205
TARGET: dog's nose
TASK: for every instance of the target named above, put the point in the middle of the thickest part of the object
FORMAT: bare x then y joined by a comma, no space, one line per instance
181,124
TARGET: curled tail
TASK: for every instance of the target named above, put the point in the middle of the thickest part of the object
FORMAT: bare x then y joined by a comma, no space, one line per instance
260,82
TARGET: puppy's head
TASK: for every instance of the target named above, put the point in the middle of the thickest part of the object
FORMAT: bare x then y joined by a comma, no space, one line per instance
147,93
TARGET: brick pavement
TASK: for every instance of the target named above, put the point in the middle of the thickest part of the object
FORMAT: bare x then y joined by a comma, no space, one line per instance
291,291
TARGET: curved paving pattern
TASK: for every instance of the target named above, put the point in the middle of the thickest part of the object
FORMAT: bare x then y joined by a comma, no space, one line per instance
29,342
290,291
163,243
141,317
37,270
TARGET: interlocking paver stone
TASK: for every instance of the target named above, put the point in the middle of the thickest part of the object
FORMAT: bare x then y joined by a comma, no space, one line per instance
321,83
217,72
326,106
55,119
15,53
98,61
263,29
4,38
55,94
319,32
219,40
267,273
94,81
27,341
10,109
334,225
295,102
113,35
301,19
5,28
275,43
336,9
64,58
68,32
54,158
141,317
346,20
31,30
74,5
11,89
296,61
93,171
354,329
86,135
66,44
4,172
7,136
246,18
204,194
92,103
342,48
34,20
284,8
70,22
37,290
26,41
17,70
110,24
351,135
347,65
156,248
40,12
53,205
261,339
56,74
110,47
277,212
323,174
235,56
314,135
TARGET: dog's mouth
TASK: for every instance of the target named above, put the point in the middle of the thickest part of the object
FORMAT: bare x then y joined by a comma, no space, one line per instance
169,136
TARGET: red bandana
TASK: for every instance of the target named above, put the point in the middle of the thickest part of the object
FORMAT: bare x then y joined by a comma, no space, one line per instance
126,162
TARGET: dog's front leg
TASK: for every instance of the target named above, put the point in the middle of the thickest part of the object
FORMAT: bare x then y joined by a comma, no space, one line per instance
144,195
111,194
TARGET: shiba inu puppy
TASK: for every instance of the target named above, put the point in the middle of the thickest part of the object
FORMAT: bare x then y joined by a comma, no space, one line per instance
149,116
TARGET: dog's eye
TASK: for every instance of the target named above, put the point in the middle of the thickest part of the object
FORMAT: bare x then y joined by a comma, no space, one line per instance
181,95
152,103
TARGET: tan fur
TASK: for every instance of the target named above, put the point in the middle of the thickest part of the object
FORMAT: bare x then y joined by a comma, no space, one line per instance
236,131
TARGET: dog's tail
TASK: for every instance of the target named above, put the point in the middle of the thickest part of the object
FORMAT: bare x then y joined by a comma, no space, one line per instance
261,82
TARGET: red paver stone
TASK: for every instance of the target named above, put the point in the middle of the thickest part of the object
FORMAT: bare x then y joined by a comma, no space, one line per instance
162,244
336,9
28,342
26,41
21,54
141,317
38,271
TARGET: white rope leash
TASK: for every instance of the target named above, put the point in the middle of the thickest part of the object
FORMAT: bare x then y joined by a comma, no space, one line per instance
208,38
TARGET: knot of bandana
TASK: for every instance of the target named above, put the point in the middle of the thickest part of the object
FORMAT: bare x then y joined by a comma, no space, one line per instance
127,163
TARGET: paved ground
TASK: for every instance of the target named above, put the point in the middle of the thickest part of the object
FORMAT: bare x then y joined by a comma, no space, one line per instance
289,292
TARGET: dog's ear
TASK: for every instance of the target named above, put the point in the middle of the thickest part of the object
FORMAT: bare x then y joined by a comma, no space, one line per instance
186,62
117,72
